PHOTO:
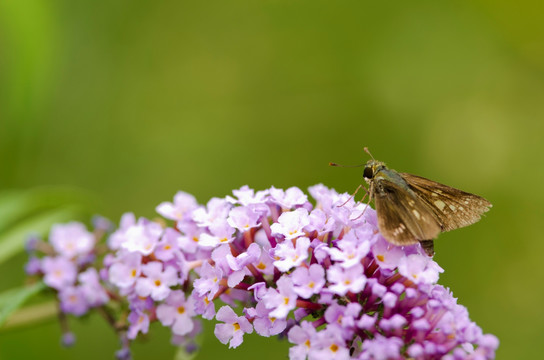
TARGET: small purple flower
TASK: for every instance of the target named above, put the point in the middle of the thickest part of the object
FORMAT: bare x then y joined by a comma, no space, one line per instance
265,264
291,224
264,324
71,239
233,329
329,344
189,237
367,322
259,290
123,354
118,237
326,198
167,247
58,272
251,255
343,280
243,218
139,322
33,266
247,196
308,281
216,211
179,210
302,336
381,348
395,322
350,250
203,306
344,316
72,301
222,233
142,237
287,255
321,251
289,198
157,281
68,339
219,256
419,269
320,222
177,313
92,290
387,255
208,283
102,224
124,272
31,243
281,300
238,264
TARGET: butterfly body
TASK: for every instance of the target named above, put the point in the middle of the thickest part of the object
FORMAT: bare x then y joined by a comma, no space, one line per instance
414,209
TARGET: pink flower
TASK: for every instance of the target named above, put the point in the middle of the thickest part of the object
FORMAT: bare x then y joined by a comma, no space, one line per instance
281,300
291,224
180,209
177,313
125,270
59,272
419,269
157,281
233,329
71,239
288,256
343,280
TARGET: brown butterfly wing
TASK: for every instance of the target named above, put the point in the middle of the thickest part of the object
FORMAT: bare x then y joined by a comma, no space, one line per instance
403,218
452,207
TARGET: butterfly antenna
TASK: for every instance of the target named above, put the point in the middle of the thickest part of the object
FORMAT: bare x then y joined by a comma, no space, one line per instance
345,166
368,152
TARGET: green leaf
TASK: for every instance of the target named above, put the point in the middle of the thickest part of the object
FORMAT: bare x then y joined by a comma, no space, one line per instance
13,299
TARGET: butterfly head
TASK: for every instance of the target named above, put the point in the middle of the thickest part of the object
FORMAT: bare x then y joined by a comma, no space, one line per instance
371,169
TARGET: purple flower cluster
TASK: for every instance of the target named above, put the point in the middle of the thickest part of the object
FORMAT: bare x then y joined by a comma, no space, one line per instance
66,268
321,275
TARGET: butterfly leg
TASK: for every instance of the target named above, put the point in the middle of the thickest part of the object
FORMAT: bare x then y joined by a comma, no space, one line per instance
352,195
428,246
368,193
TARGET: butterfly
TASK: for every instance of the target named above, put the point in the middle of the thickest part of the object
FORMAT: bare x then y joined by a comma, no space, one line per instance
412,209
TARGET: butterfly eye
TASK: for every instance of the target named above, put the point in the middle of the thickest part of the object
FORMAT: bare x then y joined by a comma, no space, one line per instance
368,173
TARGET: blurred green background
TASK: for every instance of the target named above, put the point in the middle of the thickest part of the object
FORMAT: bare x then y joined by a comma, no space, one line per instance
134,100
